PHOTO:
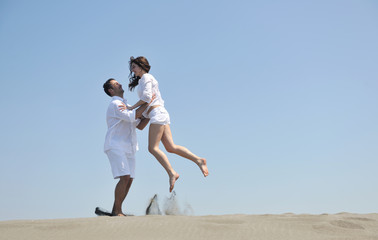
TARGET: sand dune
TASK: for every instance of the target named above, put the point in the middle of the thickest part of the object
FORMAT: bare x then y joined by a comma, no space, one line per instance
277,227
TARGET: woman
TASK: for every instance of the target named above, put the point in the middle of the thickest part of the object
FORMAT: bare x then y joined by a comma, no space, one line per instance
159,119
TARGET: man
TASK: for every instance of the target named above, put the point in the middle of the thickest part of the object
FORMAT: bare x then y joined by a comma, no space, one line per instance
121,141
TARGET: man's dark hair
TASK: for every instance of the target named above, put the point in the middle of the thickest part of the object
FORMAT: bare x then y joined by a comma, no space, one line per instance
107,86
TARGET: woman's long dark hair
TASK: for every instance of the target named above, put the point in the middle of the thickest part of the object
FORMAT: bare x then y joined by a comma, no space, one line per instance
142,62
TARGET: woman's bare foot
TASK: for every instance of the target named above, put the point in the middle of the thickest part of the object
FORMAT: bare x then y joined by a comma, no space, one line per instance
172,180
202,165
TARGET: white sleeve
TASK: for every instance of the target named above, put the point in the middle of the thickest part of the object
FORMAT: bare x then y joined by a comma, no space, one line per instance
146,86
125,115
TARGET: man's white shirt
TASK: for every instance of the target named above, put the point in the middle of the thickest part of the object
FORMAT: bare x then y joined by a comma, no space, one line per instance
121,132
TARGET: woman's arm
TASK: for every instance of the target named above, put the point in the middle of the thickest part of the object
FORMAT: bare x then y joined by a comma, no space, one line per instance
139,111
139,103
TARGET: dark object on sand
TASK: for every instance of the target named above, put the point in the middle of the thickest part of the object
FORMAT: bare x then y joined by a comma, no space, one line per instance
102,212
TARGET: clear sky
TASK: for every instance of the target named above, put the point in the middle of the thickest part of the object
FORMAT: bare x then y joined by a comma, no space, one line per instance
281,97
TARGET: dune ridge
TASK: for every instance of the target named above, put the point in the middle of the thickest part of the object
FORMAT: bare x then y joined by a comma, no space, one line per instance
268,226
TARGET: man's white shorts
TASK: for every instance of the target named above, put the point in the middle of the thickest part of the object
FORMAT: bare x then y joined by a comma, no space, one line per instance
159,116
122,163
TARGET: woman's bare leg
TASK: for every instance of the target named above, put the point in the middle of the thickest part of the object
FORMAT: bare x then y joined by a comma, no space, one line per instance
171,147
154,137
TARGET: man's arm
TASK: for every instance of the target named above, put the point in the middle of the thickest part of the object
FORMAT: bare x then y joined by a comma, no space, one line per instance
140,110
122,113
138,113
143,123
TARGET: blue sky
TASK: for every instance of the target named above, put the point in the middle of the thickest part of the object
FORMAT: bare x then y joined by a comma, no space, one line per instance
280,96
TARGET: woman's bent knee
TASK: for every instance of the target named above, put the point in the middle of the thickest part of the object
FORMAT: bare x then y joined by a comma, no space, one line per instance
171,149
153,150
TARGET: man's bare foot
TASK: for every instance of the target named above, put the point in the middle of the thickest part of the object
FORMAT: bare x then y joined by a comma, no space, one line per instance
172,180
202,165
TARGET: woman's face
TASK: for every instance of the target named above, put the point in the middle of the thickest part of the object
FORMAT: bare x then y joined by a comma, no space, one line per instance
138,71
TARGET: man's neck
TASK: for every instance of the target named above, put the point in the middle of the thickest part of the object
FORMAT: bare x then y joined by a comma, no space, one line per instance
119,95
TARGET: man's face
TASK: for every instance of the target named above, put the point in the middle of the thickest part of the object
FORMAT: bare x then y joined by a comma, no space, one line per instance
116,87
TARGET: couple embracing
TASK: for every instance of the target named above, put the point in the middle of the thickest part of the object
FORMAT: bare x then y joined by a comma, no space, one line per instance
122,120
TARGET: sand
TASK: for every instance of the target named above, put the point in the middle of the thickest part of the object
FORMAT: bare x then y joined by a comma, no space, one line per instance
277,227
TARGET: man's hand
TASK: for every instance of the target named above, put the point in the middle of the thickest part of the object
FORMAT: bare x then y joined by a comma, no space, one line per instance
143,123
152,99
